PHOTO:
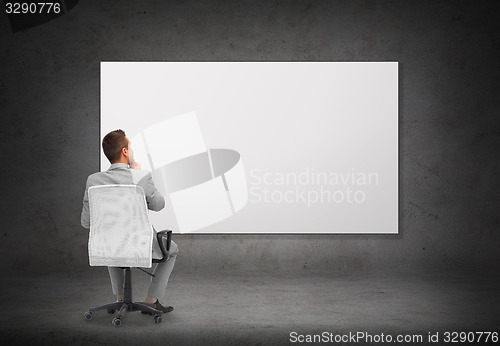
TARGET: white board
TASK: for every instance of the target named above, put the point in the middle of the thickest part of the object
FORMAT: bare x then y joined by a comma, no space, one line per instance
262,147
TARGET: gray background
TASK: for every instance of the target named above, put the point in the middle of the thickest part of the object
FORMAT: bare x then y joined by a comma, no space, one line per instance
438,273
449,138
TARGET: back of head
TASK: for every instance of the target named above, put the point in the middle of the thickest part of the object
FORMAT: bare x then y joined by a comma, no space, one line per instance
113,143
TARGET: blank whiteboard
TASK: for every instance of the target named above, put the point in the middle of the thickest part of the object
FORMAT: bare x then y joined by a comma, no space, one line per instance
262,147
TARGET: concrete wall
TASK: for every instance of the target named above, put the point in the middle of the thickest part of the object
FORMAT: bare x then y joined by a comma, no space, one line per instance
449,100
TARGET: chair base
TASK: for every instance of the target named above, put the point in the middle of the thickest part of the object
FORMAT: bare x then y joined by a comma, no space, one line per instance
122,308
126,305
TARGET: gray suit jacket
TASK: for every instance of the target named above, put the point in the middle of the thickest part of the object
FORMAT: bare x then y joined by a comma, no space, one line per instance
121,173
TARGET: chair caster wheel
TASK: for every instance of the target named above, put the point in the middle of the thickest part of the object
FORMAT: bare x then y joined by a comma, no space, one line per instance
158,318
111,311
88,315
117,321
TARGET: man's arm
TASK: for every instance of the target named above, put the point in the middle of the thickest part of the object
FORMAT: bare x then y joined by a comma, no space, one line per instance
154,199
85,217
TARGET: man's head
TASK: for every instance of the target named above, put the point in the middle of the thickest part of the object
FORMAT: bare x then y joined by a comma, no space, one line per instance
117,148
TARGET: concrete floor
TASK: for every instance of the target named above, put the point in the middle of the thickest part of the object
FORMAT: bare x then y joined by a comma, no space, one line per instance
228,308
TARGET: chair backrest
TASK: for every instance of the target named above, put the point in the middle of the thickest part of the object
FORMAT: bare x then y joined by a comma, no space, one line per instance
121,234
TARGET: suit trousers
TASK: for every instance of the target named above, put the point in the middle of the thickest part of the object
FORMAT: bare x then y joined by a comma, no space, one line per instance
162,272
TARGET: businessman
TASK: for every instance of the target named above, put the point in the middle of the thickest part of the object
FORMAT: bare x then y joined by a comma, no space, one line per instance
125,170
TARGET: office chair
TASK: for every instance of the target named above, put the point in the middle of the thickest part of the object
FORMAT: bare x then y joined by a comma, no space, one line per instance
121,235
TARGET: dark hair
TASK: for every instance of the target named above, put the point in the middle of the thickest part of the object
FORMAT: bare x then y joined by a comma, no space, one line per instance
113,143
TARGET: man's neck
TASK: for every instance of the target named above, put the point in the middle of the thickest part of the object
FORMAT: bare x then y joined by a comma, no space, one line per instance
120,161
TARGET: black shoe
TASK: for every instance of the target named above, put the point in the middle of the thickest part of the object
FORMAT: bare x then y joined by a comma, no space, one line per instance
156,305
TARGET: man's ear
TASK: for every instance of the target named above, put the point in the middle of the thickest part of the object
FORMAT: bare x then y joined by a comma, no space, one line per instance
125,151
